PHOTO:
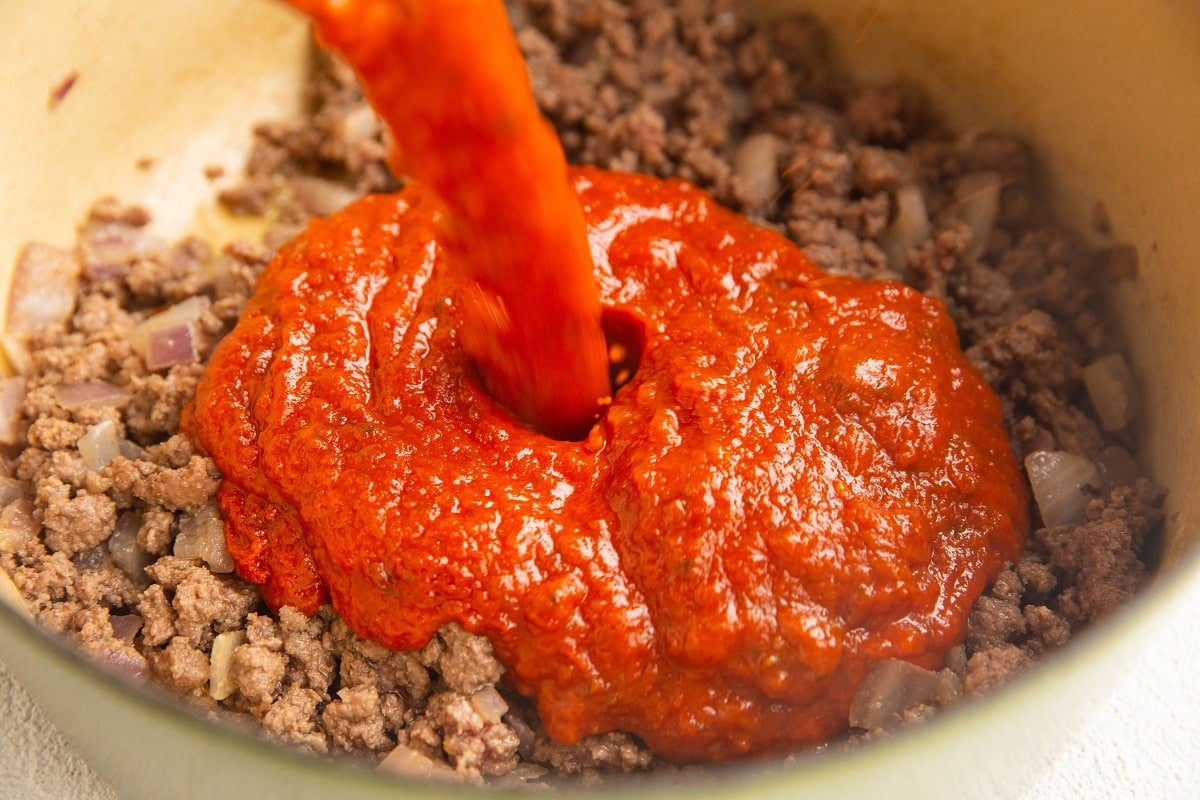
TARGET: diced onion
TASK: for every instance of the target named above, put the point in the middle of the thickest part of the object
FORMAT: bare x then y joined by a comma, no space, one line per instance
977,196
1060,483
17,525
202,535
755,165
12,398
910,227
10,595
359,125
404,760
123,546
1111,387
99,445
522,776
110,247
16,352
11,490
526,736
91,393
185,312
894,687
45,282
321,197
126,626
490,706
166,347
220,663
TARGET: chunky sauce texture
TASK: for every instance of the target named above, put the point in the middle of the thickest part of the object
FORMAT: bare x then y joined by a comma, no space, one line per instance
799,475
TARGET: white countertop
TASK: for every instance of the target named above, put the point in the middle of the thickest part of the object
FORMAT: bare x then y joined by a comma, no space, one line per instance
1145,743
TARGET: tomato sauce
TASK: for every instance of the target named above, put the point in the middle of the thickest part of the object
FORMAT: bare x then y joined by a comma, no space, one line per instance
798,475
449,81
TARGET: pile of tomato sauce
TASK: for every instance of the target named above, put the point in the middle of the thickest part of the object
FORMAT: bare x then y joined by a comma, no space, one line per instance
798,475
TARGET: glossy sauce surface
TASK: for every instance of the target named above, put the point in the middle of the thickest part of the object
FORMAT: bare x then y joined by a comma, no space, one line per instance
447,78
801,476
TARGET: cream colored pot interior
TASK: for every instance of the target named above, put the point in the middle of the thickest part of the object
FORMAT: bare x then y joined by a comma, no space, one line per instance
1107,91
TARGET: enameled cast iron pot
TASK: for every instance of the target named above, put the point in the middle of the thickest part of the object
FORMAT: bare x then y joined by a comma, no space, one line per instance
1107,91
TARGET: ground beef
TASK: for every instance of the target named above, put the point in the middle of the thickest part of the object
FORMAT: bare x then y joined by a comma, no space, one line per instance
118,556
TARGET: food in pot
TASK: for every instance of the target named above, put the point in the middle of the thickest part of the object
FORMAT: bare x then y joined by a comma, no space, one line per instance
799,477
838,177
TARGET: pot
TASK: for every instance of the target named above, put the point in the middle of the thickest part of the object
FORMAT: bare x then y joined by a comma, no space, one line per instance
1108,94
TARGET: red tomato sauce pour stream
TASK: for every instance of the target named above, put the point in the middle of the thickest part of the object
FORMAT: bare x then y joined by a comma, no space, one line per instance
798,475
450,83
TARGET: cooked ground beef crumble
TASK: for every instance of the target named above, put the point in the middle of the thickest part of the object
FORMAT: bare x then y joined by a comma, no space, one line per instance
108,527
